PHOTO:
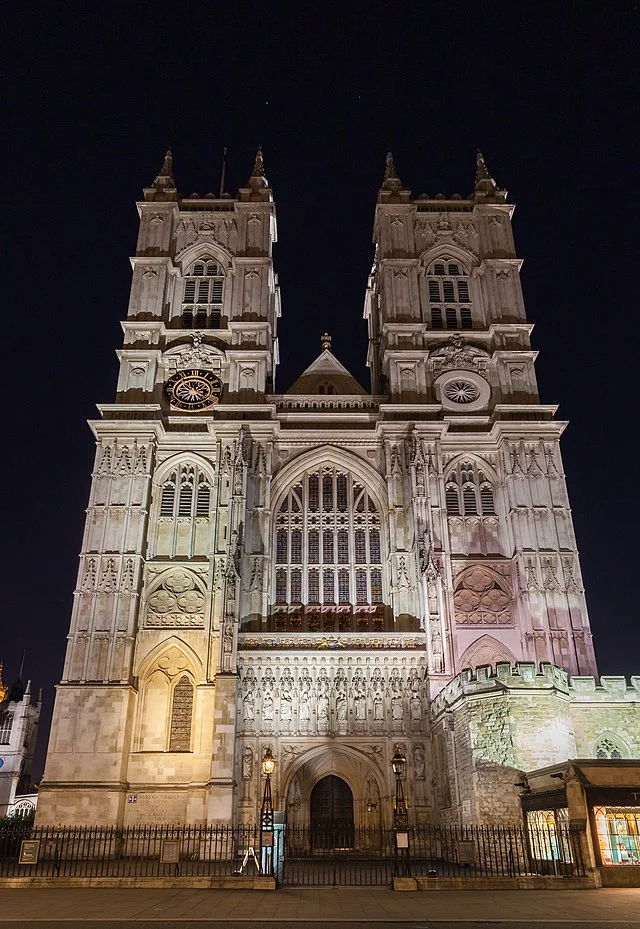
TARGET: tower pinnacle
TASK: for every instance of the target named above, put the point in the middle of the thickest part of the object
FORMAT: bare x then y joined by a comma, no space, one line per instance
164,186
486,187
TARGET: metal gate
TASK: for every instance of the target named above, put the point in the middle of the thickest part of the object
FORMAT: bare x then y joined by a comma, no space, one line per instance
337,857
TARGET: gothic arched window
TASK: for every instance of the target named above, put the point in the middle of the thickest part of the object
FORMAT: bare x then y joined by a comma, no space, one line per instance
449,297
6,724
468,491
184,509
181,714
607,748
203,295
328,545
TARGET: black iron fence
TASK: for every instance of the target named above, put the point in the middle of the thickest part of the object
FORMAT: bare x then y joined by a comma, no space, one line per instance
300,856
374,856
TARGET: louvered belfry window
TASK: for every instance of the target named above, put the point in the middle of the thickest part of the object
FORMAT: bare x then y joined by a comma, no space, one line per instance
203,295
328,544
468,492
449,297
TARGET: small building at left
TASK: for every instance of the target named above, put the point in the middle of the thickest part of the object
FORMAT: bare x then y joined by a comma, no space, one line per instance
19,719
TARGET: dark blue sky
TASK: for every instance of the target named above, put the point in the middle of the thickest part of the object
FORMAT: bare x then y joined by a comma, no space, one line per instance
96,93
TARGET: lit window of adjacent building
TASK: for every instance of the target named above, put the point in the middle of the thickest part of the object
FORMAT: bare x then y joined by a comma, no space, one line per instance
203,295
449,295
328,543
618,830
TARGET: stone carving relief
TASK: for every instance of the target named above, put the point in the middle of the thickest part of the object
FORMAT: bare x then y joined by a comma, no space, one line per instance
194,356
177,600
332,699
205,227
419,763
456,355
480,599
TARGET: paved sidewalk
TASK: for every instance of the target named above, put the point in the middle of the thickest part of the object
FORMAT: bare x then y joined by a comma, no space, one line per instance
118,907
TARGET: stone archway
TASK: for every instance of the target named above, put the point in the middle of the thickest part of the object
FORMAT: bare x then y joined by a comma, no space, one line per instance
358,773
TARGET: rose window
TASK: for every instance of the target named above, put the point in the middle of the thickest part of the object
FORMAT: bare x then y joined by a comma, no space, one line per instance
460,391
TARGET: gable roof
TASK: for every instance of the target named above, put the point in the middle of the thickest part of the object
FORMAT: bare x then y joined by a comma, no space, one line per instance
327,370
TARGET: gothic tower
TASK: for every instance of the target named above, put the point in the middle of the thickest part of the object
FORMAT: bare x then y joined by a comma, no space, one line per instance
306,571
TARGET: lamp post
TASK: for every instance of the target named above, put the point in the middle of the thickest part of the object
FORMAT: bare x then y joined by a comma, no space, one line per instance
400,815
266,814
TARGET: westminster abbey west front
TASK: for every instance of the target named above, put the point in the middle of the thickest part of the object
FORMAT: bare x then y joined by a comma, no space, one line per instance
327,572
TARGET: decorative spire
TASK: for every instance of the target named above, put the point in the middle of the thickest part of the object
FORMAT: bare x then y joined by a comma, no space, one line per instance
482,174
257,184
3,688
258,165
167,165
486,187
392,188
390,168
325,340
164,186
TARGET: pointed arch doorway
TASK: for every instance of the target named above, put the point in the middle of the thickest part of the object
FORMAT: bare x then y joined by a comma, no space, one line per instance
331,814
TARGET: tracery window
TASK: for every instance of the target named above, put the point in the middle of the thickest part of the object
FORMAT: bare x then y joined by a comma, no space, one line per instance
468,492
184,501
6,724
203,295
185,493
449,297
181,713
328,547
606,748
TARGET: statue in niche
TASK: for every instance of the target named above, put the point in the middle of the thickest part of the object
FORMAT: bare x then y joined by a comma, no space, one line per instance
286,710
341,706
360,706
247,763
267,707
304,710
249,707
323,705
397,709
436,644
378,707
419,763
227,640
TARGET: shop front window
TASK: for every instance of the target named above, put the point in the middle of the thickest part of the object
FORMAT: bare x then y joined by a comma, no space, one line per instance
618,829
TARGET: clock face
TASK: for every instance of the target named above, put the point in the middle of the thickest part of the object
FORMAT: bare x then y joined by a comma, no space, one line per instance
193,390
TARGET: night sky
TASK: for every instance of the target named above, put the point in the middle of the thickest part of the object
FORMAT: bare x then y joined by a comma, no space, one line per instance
96,93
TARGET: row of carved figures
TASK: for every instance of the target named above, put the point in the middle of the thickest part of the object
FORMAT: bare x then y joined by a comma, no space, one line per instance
330,704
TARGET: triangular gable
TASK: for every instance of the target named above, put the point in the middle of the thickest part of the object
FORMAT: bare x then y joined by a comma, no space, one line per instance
326,370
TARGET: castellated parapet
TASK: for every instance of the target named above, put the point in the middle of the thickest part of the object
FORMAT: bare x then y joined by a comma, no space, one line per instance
494,724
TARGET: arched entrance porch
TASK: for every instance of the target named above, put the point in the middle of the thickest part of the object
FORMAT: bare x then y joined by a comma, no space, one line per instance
356,796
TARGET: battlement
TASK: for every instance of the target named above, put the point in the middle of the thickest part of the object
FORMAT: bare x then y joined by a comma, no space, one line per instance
524,675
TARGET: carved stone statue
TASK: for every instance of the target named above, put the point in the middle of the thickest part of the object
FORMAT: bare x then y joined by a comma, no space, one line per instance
247,764
419,763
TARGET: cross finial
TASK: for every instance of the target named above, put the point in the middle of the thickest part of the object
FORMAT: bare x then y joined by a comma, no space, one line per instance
325,339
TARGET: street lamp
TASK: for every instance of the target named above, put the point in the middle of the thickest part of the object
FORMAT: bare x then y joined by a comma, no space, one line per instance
400,815
266,813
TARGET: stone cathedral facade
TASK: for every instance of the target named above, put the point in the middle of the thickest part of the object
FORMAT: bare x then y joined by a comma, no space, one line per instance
327,571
